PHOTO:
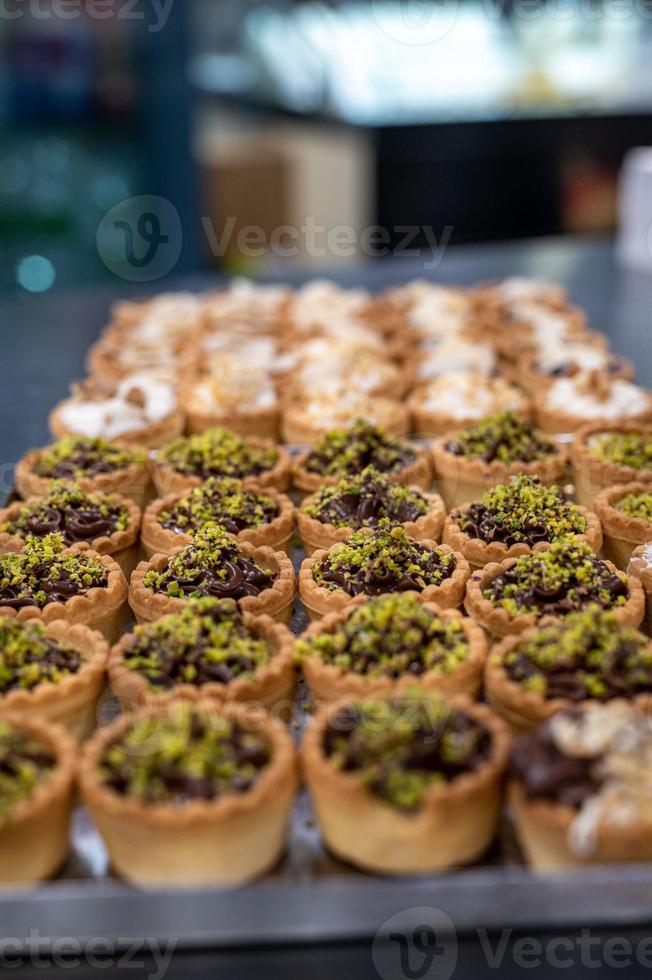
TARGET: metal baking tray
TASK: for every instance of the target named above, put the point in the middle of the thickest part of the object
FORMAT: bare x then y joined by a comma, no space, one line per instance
311,896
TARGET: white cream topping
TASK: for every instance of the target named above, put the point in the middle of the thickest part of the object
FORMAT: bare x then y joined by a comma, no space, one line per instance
321,302
554,356
547,326
439,312
232,389
349,406
522,287
139,400
575,397
455,355
468,394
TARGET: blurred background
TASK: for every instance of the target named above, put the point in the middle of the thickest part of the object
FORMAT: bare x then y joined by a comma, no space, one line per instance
308,132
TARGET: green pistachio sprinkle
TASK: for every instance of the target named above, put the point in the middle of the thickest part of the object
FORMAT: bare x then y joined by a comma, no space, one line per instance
63,497
585,655
38,573
637,505
346,451
29,657
181,756
362,500
220,500
217,452
24,764
206,642
565,577
400,749
391,636
381,560
522,510
505,438
633,449
79,456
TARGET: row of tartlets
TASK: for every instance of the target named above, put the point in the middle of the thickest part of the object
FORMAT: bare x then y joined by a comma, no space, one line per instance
283,364
386,646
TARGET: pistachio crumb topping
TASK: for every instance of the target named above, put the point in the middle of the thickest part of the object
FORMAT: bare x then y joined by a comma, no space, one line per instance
212,564
633,449
182,756
506,438
43,573
207,642
565,577
384,559
400,749
586,655
24,764
82,456
223,501
28,656
217,452
343,452
521,511
391,636
364,499
69,511
637,505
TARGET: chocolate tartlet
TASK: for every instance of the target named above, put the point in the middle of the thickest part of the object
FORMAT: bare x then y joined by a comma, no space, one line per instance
185,795
37,764
516,518
217,565
48,581
512,596
55,673
107,524
262,517
586,656
209,648
187,462
580,792
334,512
384,559
625,512
94,465
346,452
422,776
471,461
378,647
603,456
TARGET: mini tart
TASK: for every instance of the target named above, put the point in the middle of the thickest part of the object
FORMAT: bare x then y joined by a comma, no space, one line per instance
462,399
118,355
54,672
472,460
586,657
591,397
216,499
363,501
246,404
385,543
214,549
580,791
536,372
623,529
640,566
158,661
85,519
94,465
603,455
100,607
581,579
161,837
517,518
140,410
430,824
187,462
304,422
326,648
346,452
34,833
